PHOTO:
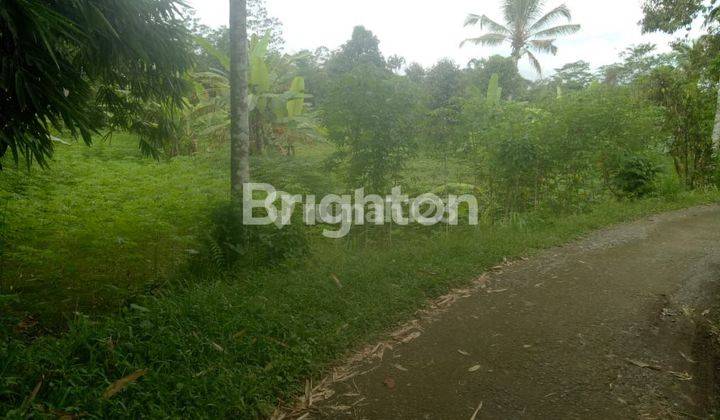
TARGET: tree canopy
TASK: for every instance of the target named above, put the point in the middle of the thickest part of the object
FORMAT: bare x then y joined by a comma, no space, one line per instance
672,15
126,51
362,49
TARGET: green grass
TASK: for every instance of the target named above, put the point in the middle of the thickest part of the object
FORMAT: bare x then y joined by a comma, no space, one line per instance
220,346
105,225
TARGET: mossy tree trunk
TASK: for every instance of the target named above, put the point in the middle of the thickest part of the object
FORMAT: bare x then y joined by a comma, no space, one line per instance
239,115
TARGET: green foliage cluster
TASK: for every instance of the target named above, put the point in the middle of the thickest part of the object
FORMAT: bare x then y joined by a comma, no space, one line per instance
280,117
369,114
635,177
560,153
672,15
129,52
551,144
688,95
231,244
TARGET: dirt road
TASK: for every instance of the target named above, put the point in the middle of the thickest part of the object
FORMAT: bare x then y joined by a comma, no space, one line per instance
605,328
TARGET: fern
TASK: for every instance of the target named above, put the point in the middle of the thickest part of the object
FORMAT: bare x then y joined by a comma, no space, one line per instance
217,256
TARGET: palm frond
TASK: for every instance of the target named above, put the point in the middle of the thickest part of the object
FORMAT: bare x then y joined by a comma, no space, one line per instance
509,11
544,45
535,63
484,22
713,14
520,13
490,40
561,11
557,31
211,78
472,19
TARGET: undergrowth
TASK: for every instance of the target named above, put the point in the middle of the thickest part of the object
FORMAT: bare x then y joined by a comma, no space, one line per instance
112,262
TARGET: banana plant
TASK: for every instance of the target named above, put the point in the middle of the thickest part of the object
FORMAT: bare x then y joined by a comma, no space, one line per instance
279,118
494,93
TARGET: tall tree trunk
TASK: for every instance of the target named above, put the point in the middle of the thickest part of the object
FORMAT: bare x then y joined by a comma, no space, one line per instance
516,59
239,115
716,129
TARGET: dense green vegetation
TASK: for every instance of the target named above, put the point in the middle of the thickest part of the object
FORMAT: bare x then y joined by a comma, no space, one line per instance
113,264
221,345
132,54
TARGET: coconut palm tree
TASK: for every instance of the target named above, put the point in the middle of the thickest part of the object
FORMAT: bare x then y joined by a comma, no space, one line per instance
526,29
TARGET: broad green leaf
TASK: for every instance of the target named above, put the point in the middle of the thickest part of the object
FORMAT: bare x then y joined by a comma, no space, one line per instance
221,57
494,92
296,106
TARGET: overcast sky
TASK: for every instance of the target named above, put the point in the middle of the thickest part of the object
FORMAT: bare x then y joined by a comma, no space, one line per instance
426,31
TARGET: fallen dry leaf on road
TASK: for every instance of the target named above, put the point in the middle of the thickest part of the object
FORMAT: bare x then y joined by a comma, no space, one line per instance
120,384
643,365
497,290
445,300
477,410
683,376
411,337
687,358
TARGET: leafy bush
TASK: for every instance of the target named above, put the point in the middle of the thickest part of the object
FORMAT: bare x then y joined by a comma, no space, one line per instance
233,244
558,154
372,116
518,164
689,115
635,177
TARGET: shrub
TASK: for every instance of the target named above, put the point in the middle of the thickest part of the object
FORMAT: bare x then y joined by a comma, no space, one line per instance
635,177
232,244
373,117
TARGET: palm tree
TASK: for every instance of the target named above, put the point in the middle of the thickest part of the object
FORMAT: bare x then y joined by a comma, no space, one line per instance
526,29
239,112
